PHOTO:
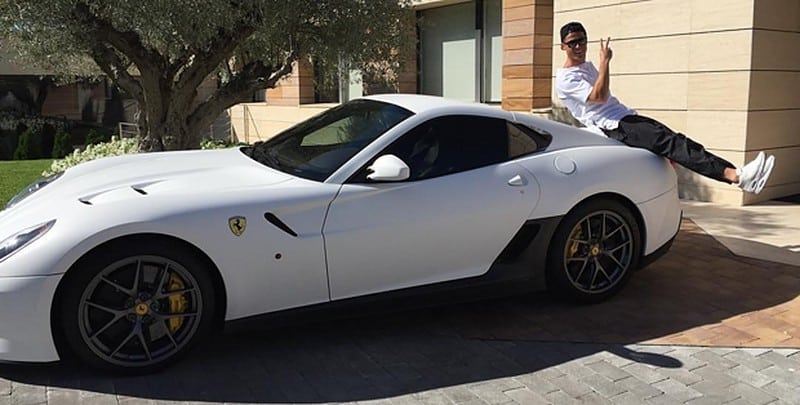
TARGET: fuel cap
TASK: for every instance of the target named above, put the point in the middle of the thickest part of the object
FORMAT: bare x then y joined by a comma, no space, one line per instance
565,165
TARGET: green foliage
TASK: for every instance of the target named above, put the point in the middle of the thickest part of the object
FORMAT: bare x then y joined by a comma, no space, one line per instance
23,146
94,137
39,136
8,143
14,175
62,145
219,144
29,146
115,147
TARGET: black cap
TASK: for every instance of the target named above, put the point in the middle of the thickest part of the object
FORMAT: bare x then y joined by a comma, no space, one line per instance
570,28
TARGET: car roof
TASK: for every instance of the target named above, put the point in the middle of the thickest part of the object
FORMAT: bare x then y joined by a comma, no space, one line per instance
417,103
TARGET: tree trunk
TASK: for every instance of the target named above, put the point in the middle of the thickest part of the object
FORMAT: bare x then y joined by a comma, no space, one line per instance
168,134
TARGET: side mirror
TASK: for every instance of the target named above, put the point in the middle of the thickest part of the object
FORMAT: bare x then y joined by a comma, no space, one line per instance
389,168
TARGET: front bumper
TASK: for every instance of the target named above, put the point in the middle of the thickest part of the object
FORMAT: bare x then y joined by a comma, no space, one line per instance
25,333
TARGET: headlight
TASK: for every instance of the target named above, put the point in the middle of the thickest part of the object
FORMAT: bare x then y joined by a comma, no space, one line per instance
32,188
22,239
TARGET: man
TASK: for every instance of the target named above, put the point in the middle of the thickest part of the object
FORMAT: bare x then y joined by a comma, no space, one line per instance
585,91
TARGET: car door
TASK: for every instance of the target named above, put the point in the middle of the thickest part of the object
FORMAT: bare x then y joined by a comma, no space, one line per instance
461,206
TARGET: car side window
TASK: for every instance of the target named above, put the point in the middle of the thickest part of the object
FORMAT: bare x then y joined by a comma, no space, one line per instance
457,143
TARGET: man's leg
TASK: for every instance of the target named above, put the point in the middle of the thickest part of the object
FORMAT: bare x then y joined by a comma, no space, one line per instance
644,132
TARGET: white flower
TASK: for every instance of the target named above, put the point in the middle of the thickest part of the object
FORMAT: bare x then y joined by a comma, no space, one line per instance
115,147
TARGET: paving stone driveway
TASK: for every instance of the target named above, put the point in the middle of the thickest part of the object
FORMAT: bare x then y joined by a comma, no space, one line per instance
524,350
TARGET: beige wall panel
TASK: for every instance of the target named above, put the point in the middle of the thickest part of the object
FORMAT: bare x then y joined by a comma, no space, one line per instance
714,15
518,57
656,92
719,51
719,91
518,13
770,50
519,87
645,55
692,186
518,28
773,129
718,129
520,42
597,21
520,3
262,122
663,55
568,5
651,55
657,17
775,90
772,192
778,15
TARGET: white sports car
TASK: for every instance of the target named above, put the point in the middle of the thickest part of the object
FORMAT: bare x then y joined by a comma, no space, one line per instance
126,262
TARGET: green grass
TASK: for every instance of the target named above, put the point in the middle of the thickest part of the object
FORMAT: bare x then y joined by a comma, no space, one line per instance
16,174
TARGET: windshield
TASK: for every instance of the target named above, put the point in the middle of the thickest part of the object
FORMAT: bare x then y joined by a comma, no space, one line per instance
315,148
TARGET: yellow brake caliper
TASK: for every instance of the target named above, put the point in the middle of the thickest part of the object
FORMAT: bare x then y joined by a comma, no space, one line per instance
177,303
575,236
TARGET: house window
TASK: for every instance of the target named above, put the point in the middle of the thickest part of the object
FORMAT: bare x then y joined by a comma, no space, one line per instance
461,51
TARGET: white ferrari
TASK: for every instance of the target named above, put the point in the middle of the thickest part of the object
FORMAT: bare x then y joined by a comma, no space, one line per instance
125,263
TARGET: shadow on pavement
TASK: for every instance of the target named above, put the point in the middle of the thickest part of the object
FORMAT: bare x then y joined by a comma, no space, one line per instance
698,286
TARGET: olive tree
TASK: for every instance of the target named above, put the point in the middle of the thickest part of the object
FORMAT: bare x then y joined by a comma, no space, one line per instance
160,51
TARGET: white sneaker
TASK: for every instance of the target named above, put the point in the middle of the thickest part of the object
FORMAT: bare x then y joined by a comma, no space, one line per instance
764,175
749,173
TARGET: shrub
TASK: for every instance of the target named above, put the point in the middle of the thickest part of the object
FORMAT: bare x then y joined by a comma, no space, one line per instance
62,145
23,146
8,143
115,147
218,144
95,137
47,137
29,146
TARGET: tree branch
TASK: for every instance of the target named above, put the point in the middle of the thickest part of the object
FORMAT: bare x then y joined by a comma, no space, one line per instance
219,48
253,76
114,67
128,42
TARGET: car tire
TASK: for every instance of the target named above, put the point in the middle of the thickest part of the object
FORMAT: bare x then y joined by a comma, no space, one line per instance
594,251
136,307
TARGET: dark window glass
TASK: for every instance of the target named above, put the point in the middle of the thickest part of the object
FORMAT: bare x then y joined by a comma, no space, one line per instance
459,143
523,140
315,148
452,144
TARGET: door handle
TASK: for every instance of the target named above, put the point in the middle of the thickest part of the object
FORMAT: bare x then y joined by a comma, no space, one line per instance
517,181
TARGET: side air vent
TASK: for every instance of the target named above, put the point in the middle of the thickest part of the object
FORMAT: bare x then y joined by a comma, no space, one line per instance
279,224
87,202
139,190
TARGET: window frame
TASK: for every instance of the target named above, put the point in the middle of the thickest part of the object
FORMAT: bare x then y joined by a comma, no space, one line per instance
541,139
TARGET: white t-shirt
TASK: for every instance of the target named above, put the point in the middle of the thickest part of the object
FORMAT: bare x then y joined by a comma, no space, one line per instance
573,86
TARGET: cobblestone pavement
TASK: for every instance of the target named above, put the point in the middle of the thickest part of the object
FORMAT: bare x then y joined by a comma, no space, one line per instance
661,341
410,358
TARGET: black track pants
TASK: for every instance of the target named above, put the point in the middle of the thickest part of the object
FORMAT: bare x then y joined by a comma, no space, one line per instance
644,132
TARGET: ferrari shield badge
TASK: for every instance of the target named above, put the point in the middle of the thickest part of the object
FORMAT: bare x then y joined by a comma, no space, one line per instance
237,225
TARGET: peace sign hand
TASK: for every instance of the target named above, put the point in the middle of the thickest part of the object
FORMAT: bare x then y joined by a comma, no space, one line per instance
605,51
